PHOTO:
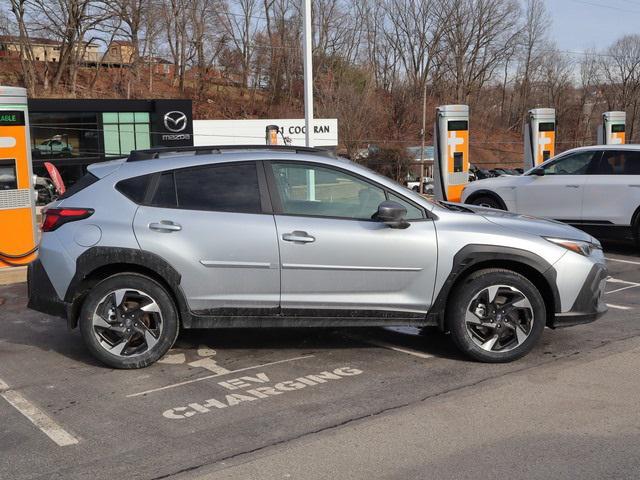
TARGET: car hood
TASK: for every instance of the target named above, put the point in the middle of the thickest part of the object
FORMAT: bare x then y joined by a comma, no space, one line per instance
532,225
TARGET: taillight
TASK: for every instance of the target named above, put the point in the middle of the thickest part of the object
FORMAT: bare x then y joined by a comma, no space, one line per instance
55,217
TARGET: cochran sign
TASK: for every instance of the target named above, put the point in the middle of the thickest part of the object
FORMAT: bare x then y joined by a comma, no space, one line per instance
255,388
252,132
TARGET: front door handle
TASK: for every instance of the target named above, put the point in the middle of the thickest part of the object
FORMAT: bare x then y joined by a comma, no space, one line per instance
298,236
165,226
572,186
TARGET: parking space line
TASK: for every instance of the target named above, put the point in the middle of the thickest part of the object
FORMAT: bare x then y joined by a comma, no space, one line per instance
200,379
616,280
391,346
622,282
621,261
622,288
36,416
618,307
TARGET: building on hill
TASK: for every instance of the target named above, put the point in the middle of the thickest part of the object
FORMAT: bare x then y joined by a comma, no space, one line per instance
159,66
119,52
45,49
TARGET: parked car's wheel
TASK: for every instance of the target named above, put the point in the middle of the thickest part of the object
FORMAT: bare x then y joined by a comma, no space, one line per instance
487,201
496,315
128,321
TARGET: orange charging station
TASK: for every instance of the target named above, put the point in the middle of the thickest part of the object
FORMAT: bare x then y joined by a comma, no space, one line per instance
539,136
18,233
451,158
612,129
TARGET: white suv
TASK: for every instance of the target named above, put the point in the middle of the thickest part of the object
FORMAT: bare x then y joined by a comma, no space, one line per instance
593,188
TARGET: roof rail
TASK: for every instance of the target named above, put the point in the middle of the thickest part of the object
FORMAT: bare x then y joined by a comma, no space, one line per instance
156,152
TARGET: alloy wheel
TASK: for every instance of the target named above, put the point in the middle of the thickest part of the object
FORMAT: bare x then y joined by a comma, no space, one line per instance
499,318
127,322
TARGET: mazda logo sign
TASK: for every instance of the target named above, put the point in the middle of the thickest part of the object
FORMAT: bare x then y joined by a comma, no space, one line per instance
175,121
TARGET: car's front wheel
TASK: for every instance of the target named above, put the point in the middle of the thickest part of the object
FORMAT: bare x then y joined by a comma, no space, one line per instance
128,321
487,201
496,315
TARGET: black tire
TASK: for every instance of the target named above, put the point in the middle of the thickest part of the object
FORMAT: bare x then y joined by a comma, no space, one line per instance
468,290
167,333
487,201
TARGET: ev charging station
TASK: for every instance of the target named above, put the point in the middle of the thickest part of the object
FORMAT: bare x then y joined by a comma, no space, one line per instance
18,234
612,129
451,155
539,136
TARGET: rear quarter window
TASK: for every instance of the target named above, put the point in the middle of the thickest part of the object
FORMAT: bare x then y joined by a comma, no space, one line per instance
84,182
134,188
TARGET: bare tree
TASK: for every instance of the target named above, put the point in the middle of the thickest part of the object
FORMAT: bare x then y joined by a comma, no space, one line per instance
621,73
18,8
72,23
241,25
533,42
478,36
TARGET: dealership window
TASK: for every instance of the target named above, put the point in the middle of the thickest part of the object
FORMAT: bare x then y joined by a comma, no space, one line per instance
64,135
125,131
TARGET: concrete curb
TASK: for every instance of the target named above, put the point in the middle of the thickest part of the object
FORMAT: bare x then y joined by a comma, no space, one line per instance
11,275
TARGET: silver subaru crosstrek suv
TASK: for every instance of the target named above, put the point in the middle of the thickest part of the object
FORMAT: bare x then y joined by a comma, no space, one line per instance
220,237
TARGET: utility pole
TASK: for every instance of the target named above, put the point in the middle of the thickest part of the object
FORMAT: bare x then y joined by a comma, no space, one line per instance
423,133
308,75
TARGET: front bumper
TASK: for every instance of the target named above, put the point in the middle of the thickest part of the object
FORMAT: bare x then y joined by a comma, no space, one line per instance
589,305
42,296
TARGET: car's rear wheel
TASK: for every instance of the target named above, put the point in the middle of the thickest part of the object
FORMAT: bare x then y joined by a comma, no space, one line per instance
128,321
496,315
487,201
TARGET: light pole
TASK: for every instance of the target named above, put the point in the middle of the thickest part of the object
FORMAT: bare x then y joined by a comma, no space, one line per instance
308,75
423,134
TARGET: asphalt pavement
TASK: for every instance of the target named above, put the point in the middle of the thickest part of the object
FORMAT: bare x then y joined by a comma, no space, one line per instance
324,403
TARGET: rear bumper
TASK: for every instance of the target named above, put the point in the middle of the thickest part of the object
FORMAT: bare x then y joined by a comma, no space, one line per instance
589,305
42,296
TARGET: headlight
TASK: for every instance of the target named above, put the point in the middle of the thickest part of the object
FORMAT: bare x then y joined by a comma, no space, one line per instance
577,246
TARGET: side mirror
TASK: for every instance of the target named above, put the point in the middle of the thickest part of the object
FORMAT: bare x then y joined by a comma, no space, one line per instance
392,214
538,172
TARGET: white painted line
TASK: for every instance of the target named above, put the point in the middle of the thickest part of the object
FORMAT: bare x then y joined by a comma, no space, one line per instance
36,416
616,280
618,307
622,261
621,289
200,379
390,346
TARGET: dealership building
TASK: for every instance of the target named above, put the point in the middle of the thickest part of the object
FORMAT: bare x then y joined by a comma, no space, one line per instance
73,133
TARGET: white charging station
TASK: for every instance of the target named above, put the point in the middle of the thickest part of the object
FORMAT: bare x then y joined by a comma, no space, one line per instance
539,136
612,129
451,156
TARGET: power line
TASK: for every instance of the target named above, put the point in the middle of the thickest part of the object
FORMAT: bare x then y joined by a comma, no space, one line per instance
609,7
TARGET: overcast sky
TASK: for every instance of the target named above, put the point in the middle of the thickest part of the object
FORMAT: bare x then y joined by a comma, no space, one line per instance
581,24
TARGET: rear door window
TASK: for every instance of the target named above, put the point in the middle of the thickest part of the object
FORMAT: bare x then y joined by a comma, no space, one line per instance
619,162
165,194
220,188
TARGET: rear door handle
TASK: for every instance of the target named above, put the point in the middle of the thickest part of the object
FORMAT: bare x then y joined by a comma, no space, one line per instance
165,226
572,186
298,236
